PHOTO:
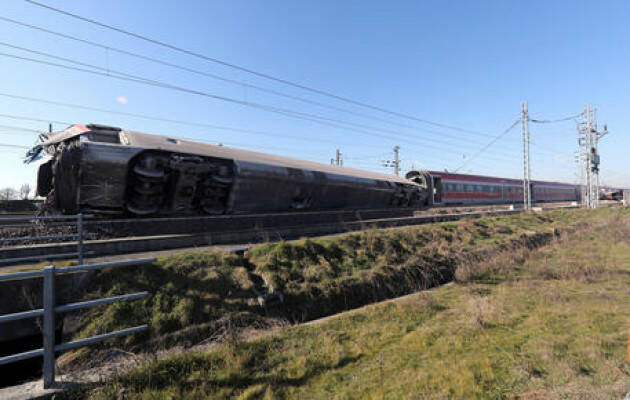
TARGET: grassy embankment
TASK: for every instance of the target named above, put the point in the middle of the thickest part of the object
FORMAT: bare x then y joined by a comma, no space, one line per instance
194,294
546,323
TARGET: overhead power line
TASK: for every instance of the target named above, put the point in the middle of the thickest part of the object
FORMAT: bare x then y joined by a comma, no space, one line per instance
18,128
487,146
182,122
248,70
224,79
135,78
551,121
14,146
23,118
282,111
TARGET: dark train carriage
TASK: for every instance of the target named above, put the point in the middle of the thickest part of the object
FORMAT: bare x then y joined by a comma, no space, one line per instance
107,170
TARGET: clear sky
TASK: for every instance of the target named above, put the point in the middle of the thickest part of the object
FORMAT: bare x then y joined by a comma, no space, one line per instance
463,63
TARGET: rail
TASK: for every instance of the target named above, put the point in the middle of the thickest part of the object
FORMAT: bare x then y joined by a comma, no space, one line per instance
50,310
80,253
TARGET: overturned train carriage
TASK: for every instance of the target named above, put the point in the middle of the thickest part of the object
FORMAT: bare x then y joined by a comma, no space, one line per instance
106,170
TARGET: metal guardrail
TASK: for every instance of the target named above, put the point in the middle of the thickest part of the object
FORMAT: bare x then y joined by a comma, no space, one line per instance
50,310
80,253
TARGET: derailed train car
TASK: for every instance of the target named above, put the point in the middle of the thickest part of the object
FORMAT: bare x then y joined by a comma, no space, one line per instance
107,170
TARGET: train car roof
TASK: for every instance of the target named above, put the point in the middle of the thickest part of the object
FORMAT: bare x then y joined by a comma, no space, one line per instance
174,144
493,179
158,142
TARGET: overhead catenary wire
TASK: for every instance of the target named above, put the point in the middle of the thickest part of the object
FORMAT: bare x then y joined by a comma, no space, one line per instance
174,121
487,146
224,79
215,142
294,114
551,121
161,119
248,70
24,118
135,78
18,128
13,146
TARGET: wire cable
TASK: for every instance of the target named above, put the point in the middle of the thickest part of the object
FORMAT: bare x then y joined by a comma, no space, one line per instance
483,149
48,121
18,128
168,120
181,122
248,70
15,146
551,121
224,79
294,114
135,78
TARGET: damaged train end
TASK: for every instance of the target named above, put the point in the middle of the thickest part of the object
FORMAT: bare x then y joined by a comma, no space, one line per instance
109,171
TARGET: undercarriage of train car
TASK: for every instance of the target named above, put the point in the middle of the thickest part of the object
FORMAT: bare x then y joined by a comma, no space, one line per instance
178,184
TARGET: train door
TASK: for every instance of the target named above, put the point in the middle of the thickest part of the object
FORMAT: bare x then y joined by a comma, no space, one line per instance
437,189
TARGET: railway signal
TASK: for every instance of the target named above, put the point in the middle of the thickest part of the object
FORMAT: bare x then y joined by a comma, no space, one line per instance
588,140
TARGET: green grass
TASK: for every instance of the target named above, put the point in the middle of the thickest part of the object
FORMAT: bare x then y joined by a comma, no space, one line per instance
553,324
194,293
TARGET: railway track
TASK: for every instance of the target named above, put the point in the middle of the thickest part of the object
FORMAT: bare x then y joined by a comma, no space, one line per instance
127,236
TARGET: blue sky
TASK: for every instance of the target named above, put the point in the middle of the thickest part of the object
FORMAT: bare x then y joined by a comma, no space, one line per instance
467,64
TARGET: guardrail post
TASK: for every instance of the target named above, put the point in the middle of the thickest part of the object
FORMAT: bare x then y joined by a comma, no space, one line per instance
48,330
80,237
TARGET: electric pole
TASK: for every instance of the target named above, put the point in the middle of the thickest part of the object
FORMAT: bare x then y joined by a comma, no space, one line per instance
588,140
338,161
393,164
527,196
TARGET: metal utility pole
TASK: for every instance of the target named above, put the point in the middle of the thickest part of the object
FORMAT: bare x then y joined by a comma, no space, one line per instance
338,161
588,140
527,196
393,164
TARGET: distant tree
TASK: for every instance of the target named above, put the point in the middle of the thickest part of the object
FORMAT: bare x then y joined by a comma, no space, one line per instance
25,191
8,194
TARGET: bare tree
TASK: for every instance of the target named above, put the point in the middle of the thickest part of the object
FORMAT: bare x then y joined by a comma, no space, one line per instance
25,191
8,194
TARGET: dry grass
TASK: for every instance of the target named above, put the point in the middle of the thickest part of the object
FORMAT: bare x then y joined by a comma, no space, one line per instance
552,325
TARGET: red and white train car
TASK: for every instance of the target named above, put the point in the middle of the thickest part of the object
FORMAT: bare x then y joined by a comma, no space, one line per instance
451,188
